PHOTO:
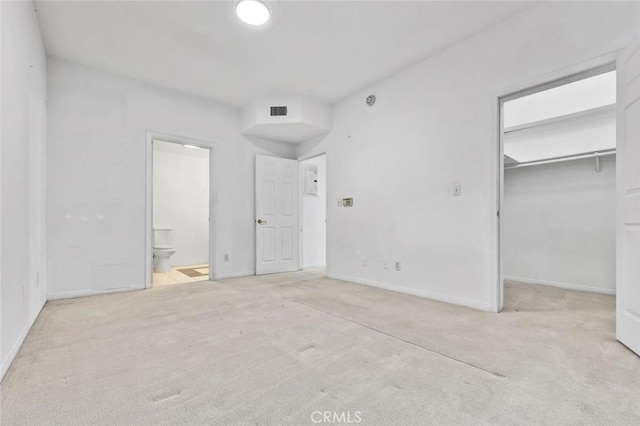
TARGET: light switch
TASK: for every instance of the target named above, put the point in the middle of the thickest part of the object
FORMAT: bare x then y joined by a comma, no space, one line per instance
457,188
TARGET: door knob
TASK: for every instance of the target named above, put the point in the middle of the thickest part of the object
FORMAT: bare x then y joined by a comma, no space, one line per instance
261,222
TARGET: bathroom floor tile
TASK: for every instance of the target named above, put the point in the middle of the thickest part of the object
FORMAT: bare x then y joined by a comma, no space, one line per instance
174,276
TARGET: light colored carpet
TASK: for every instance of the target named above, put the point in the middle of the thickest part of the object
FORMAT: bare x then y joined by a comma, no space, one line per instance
273,350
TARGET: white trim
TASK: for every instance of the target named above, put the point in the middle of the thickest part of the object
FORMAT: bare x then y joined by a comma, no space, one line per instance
11,356
236,275
69,294
512,91
566,286
85,293
319,265
475,304
301,183
148,214
214,265
558,77
496,295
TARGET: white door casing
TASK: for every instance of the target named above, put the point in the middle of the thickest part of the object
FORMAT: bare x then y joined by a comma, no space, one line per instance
628,200
277,215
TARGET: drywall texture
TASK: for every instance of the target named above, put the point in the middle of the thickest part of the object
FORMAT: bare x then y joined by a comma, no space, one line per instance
97,159
181,200
314,213
433,125
559,225
22,285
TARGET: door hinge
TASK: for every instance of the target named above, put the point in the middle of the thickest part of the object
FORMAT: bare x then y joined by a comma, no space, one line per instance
498,213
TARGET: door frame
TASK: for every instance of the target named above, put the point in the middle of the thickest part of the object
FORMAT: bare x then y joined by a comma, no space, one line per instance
150,137
326,205
529,86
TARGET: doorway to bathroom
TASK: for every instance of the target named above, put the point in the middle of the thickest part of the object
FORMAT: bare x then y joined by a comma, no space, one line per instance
180,213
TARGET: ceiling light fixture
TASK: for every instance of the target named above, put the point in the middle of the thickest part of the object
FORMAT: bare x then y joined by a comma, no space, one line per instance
252,12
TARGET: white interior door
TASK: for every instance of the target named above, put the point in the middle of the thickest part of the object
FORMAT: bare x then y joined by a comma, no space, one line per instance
628,200
277,215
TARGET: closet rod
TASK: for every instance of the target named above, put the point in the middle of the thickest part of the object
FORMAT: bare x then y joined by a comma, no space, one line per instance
595,154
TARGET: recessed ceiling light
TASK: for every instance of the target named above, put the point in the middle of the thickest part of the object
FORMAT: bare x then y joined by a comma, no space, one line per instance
253,12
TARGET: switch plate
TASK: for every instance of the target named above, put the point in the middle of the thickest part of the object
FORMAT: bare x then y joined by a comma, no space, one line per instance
225,257
398,265
457,188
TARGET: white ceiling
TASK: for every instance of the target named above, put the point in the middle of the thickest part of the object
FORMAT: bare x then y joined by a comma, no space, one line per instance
582,95
326,50
574,118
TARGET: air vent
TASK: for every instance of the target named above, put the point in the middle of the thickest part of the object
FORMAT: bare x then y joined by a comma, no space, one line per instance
278,111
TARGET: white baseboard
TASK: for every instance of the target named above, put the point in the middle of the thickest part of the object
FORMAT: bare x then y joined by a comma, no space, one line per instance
235,275
84,293
565,286
475,304
320,265
11,356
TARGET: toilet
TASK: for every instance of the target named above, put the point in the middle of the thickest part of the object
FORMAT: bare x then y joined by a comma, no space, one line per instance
162,249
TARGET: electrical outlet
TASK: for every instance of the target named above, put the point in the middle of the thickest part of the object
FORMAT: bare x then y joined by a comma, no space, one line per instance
365,263
457,189
398,265
385,265
225,257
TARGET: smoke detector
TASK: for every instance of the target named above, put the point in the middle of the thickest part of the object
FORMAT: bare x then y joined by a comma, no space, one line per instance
371,99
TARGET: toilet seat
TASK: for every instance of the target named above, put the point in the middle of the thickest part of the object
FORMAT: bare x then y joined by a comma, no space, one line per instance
162,249
161,257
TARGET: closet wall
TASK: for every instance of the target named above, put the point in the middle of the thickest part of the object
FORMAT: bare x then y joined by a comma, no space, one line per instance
558,223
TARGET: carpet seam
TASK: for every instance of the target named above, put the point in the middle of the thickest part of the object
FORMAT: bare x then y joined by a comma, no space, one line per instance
493,373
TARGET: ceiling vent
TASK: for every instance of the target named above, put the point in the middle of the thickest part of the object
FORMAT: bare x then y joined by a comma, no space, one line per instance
278,111
286,118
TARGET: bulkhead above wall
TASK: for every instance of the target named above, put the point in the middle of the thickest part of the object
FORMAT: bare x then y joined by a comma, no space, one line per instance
291,119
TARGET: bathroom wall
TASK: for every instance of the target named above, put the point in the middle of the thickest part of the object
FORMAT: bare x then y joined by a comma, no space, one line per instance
22,172
314,213
559,225
96,177
181,199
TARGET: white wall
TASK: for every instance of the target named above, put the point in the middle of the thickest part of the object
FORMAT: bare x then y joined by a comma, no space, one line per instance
314,210
435,124
559,225
22,285
97,176
181,200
